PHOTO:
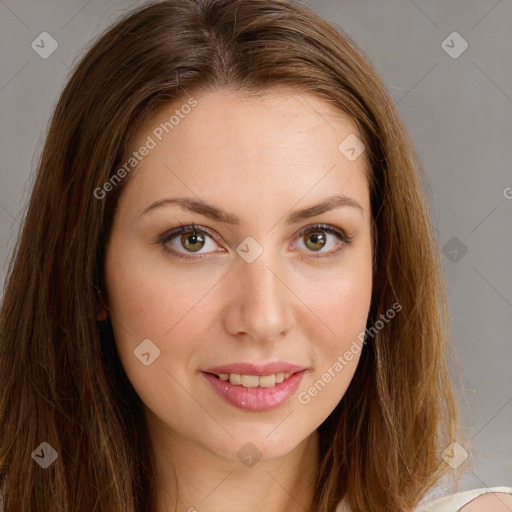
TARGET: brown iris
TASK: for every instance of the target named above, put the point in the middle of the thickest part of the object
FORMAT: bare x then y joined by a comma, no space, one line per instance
317,239
192,241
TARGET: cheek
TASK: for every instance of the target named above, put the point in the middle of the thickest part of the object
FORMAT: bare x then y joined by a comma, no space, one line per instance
148,298
150,302
344,305
341,300
337,353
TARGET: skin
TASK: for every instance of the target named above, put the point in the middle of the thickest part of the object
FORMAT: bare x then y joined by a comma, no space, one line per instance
495,501
259,159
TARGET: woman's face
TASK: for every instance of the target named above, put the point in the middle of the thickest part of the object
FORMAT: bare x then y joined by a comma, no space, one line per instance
247,295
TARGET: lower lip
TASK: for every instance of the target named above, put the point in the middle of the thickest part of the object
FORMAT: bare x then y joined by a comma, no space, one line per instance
256,399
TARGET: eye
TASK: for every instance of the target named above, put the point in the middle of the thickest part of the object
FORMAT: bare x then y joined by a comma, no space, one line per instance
192,239
316,238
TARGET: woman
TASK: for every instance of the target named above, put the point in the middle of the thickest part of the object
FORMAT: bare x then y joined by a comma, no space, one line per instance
226,291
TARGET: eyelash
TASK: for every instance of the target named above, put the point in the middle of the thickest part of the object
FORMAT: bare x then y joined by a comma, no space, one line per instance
168,236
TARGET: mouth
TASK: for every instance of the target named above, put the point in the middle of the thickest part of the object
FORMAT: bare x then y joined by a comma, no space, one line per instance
255,393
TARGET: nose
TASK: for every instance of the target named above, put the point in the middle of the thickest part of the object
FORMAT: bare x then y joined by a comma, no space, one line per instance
260,303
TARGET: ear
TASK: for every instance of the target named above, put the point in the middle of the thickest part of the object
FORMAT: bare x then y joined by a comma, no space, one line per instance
101,314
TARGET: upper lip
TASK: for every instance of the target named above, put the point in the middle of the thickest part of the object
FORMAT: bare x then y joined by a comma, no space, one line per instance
253,369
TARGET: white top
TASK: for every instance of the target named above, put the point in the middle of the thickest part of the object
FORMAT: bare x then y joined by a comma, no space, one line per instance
451,503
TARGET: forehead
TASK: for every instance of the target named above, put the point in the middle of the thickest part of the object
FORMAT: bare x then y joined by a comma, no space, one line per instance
222,118
280,144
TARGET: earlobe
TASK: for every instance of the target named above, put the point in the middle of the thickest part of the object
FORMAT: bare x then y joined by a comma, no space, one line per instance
101,315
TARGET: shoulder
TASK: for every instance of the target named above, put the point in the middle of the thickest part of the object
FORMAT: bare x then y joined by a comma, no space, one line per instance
495,501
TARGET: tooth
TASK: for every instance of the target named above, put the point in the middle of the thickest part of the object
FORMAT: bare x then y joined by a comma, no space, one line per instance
267,381
250,381
235,378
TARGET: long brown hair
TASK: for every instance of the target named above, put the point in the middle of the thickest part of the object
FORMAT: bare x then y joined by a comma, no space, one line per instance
61,380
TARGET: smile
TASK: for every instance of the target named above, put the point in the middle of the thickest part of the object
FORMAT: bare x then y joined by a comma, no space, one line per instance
255,392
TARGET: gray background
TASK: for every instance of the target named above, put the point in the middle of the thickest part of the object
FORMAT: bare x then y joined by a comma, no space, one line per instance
458,110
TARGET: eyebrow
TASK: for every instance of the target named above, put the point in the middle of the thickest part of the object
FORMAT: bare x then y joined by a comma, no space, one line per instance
213,212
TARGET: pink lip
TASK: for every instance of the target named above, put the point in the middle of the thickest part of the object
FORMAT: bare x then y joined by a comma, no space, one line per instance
252,369
255,399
